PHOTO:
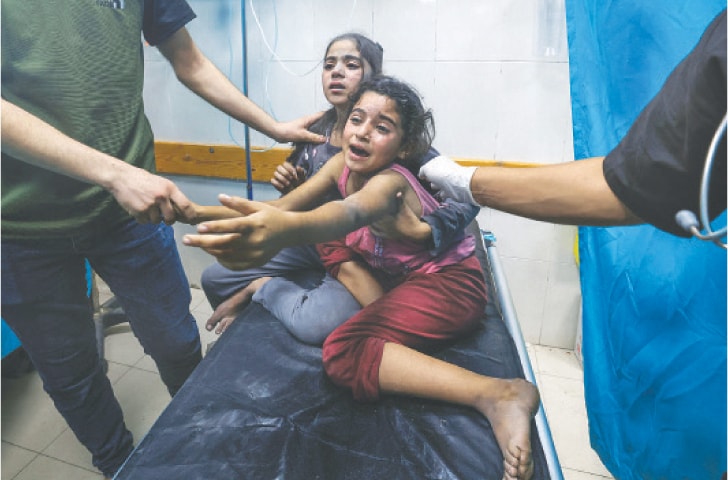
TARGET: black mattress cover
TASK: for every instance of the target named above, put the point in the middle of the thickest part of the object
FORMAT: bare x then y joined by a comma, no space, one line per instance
259,406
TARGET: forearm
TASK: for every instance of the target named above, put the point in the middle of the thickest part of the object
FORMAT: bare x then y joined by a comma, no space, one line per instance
328,222
296,200
200,75
147,197
212,85
28,138
262,229
573,193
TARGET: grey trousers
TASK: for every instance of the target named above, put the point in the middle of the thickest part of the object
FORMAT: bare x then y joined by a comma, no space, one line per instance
308,301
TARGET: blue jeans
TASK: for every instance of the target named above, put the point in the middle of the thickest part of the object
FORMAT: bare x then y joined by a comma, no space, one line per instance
44,300
307,300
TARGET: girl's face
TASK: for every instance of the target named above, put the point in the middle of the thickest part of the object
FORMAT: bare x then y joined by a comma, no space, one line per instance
373,135
343,71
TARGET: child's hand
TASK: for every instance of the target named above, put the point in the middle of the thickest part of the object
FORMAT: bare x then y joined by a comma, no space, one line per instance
189,215
287,177
246,241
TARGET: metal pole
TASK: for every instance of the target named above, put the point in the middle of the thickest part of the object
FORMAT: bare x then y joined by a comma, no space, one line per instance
248,165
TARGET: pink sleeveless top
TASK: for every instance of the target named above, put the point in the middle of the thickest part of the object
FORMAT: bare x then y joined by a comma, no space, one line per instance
402,256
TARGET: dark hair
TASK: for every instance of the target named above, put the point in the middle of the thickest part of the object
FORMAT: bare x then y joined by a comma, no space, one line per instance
370,51
418,124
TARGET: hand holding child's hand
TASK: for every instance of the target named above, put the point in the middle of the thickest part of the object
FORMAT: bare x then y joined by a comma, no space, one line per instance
147,197
189,215
242,242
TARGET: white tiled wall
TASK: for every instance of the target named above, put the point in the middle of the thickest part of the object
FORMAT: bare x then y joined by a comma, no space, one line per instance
494,72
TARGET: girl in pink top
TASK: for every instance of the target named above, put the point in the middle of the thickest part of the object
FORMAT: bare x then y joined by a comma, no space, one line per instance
399,256
412,302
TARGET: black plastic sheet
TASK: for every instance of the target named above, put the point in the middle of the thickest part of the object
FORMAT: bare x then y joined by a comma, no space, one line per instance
260,406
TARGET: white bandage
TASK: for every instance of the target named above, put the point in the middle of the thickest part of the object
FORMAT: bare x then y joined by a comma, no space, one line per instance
451,179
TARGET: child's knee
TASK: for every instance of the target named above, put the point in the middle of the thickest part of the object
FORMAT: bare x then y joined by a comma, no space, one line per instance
338,362
351,362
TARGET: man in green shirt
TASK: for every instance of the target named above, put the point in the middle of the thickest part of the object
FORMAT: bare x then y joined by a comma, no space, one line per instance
77,152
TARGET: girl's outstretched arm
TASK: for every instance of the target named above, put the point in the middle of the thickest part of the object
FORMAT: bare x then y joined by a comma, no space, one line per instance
298,199
251,240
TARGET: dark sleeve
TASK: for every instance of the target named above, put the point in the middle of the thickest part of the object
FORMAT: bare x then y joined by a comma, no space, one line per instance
656,169
162,18
450,220
448,223
415,164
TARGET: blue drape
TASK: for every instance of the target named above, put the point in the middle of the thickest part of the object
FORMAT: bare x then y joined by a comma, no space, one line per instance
654,333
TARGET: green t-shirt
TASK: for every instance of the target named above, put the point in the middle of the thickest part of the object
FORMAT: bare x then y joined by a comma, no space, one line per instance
78,65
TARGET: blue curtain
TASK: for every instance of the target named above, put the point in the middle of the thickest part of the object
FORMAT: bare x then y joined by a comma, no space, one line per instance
654,305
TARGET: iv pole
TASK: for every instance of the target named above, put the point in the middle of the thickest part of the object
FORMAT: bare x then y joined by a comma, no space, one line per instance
246,129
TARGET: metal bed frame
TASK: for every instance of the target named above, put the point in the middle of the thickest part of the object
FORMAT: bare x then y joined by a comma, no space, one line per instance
508,312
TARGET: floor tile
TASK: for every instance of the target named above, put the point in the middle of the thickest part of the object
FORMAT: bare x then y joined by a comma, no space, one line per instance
558,362
143,397
138,418
29,418
116,371
570,474
198,298
563,400
103,290
146,363
68,449
121,346
532,358
14,459
51,469
202,314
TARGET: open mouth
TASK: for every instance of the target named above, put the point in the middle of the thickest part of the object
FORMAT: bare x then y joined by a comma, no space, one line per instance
337,87
359,152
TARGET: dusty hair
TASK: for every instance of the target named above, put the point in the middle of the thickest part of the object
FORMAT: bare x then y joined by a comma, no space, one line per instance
417,123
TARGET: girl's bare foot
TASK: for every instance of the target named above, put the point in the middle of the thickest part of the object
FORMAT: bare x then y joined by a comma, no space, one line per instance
226,313
510,417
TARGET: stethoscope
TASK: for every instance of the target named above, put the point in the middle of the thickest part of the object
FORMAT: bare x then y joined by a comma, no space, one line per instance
685,218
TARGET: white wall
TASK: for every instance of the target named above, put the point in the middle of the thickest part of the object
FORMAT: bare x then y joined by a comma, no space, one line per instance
494,72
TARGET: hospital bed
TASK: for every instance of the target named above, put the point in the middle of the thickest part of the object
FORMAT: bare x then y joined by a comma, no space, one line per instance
259,406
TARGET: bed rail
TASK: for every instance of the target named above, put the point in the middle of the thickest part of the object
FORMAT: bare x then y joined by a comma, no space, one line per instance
510,318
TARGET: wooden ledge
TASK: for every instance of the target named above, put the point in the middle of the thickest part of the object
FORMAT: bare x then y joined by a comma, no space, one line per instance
228,161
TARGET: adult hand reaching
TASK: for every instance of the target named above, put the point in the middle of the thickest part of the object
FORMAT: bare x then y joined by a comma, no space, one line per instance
297,130
450,178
